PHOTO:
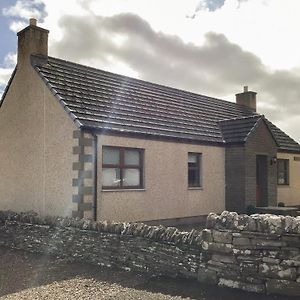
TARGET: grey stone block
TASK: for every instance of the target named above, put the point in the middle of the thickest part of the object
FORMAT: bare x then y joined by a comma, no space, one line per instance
267,243
85,174
283,287
222,236
279,272
85,190
217,247
78,150
271,260
86,142
207,276
290,263
241,241
76,182
86,158
85,206
249,268
77,198
224,258
77,134
249,287
207,235
78,166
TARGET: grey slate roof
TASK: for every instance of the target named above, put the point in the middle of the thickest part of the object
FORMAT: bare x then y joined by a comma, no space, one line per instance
105,101
284,142
238,129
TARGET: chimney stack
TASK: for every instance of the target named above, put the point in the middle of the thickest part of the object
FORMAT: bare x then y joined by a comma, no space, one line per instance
32,40
247,98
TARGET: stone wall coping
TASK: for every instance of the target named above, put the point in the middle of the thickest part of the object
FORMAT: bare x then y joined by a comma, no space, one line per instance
159,233
263,223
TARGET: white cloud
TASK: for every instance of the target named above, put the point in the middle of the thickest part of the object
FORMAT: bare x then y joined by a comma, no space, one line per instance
10,60
5,74
265,27
26,9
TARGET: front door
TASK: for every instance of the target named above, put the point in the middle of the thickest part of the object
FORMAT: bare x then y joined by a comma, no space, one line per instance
261,180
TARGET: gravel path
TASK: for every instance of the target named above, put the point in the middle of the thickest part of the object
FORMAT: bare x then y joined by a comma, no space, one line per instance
28,276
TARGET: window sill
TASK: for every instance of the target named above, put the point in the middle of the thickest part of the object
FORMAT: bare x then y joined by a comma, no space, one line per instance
195,188
284,184
123,190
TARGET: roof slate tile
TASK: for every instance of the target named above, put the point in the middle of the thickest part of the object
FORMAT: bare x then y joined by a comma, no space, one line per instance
105,101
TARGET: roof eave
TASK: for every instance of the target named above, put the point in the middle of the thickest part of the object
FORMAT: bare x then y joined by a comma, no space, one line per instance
149,136
281,150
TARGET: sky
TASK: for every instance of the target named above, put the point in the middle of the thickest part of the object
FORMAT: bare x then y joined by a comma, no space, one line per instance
211,47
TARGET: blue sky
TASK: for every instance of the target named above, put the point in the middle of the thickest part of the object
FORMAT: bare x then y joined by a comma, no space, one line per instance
6,35
212,47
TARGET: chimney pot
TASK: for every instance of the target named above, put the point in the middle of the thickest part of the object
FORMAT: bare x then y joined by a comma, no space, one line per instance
246,88
32,22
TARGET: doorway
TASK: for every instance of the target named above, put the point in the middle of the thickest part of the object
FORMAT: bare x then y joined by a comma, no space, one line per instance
261,180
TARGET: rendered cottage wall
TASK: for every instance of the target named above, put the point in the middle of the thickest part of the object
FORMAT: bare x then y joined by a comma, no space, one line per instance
166,194
35,148
290,194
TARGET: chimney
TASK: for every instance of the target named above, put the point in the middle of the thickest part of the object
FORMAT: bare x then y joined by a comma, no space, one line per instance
247,98
32,40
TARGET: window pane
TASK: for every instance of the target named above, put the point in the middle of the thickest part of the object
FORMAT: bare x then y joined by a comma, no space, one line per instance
282,171
131,177
192,158
111,177
281,178
280,165
111,156
194,169
132,157
194,177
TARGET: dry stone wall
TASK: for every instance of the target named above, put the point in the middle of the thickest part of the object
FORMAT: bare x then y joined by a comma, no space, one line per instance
257,253
131,246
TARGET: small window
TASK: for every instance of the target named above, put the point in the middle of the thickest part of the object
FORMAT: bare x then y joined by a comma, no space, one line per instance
122,168
194,161
283,171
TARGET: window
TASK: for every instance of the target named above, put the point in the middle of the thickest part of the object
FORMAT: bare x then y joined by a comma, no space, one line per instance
283,171
122,168
194,160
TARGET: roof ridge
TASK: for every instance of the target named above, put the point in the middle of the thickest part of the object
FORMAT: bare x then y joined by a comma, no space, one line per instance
254,127
243,118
